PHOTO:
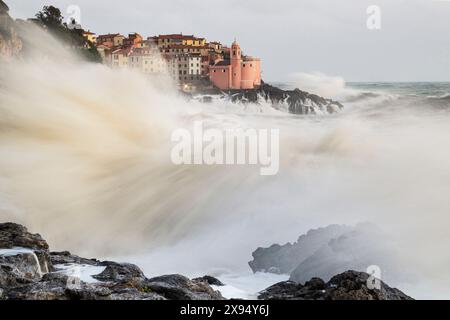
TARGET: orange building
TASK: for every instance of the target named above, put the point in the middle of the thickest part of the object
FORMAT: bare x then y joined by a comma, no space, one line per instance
240,72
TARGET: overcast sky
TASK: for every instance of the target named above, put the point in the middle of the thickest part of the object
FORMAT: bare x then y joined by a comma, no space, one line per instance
290,36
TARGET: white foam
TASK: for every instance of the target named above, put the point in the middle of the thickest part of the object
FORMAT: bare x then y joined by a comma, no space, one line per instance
247,285
15,251
82,271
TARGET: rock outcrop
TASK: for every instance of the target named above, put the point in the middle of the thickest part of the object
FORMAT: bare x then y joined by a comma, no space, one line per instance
349,285
294,101
70,277
29,271
283,259
328,251
10,43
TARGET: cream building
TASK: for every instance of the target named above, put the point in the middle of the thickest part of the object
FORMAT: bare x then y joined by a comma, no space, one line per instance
147,60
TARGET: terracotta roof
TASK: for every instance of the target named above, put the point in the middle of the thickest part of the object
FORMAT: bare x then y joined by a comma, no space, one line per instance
222,63
177,36
123,51
88,32
182,46
109,35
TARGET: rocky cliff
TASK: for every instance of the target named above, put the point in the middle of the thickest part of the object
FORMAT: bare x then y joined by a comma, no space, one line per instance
10,43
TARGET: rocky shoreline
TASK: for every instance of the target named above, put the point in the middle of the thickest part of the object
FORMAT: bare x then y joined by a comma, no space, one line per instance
30,271
293,101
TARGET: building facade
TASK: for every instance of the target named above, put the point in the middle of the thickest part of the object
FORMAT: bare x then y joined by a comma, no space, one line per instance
239,72
184,68
147,61
110,40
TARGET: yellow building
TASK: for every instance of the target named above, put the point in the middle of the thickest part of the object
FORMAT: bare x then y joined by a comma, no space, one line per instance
90,36
167,40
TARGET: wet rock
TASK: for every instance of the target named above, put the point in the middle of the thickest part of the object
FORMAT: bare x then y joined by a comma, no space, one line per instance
18,267
178,287
13,235
350,285
120,272
209,280
22,278
296,101
65,257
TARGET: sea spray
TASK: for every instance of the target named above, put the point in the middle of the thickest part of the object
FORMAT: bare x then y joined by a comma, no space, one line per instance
85,159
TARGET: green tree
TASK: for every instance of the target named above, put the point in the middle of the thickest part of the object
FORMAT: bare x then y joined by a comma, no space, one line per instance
51,18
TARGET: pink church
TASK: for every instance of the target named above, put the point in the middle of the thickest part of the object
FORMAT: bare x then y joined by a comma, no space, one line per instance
237,73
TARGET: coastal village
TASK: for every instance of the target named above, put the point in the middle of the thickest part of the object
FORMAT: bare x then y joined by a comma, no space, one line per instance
189,60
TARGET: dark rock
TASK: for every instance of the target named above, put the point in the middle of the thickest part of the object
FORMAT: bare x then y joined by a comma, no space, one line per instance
14,235
296,101
19,268
209,280
120,272
178,287
281,291
284,259
21,276
65,257
350,285
55,286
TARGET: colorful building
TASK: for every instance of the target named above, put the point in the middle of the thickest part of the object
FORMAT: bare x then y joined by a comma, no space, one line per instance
239,72
134,40
110,40
119,57
167,40
90,36
147,61
184,68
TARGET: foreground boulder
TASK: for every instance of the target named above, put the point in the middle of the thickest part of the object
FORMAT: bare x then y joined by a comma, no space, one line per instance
25,275
350,285
178,287
15,236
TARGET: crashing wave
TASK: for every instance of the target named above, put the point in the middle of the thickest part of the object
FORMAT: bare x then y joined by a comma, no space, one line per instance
293,101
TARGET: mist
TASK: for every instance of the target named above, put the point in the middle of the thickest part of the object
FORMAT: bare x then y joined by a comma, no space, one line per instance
85,161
